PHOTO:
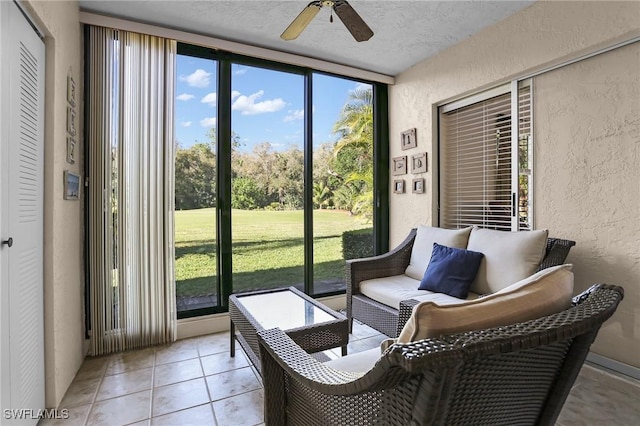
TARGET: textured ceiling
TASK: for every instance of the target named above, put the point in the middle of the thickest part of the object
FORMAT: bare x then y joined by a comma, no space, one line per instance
405,32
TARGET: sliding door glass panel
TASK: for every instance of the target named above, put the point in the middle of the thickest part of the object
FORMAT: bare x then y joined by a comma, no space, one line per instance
267,178
195,184
342,178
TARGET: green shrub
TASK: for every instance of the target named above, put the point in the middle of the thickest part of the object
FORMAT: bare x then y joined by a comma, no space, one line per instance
357,243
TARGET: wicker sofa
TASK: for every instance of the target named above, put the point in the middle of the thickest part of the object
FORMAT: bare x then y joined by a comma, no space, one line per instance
383,317
516,374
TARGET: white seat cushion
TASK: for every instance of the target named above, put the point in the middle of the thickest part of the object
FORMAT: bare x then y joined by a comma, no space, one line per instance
391,290
508,257
423,245
360,362
444,299
544,293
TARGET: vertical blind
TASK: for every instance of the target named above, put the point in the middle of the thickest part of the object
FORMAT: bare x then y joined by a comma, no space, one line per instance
476,163
130,156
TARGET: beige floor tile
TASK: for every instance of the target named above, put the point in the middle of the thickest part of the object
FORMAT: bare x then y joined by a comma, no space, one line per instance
592,403
125,383
146,422
122,410
75,416
166,374
179,396
213,344
246,409
178,351
93,368
131,360
81,392
230,383
196,416
361,331
218,363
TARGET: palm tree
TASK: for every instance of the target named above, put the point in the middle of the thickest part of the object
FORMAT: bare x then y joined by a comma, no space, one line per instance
355,127
355,124
321,195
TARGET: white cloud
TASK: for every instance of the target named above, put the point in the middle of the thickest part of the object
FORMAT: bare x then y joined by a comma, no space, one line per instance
184,97
297,114
208,122
186,123
247,105
199,78
240,71
234,94
210,99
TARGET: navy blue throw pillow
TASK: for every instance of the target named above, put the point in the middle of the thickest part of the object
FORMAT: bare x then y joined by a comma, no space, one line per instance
451,271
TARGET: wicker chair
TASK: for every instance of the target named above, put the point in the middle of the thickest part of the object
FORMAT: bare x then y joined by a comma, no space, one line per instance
518,374
385,318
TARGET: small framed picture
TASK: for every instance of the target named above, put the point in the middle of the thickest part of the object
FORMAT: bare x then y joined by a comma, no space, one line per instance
398,186
417,186
71,91
71,150
419,163
408,139
400,165
71,185
71,121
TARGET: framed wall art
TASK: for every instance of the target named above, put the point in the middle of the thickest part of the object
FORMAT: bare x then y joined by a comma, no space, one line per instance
400,165
71,91
71,185
419,163
398,186
408,138
71,150
417,186
71,121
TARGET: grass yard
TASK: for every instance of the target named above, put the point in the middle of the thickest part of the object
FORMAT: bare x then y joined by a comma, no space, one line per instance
268,249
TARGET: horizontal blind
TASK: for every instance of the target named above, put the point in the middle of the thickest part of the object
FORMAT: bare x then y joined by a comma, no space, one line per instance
475,147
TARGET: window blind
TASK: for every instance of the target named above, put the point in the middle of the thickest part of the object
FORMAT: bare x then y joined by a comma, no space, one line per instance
476,161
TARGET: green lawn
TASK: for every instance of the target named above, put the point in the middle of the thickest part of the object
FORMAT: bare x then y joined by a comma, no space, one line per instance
267,248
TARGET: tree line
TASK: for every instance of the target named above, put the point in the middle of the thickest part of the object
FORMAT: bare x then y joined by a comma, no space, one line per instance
266,178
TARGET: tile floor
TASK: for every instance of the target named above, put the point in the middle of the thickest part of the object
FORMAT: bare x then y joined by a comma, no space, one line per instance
195,382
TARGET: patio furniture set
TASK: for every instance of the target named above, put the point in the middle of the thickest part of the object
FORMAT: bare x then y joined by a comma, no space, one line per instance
507,352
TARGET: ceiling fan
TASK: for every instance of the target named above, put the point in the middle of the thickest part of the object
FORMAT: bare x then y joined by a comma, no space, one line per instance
349,17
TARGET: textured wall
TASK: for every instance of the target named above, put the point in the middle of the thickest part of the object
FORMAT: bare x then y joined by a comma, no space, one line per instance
547,32
587,179
63,240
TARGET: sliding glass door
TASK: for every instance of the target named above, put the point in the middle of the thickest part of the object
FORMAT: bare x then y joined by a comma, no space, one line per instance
342,178
267,178
275,178
195,184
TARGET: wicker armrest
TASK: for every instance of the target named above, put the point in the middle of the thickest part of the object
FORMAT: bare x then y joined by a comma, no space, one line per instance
556,252
406,309
391,263
276,346
279,352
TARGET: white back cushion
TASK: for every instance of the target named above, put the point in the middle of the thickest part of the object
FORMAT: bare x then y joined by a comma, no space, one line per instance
423,246
508,257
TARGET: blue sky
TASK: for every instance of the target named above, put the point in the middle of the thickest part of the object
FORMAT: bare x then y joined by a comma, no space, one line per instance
267,106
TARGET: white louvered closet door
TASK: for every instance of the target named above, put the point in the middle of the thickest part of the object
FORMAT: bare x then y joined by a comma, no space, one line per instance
21,212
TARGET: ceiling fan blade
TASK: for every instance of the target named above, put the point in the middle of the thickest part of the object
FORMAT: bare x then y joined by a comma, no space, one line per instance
354,23
302,20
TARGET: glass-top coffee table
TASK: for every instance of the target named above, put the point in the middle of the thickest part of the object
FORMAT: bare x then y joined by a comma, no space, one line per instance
313,326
